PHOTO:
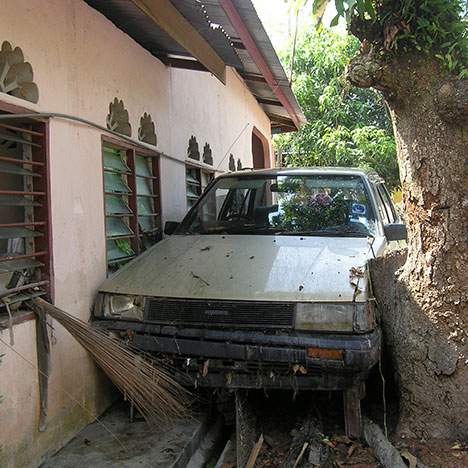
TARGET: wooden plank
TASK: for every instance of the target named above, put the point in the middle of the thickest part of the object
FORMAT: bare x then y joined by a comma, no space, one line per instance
270,102
169,19
254,453
352,411
9,292
280,119
182,63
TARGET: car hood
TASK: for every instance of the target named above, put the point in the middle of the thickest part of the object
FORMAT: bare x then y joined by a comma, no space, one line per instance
248,267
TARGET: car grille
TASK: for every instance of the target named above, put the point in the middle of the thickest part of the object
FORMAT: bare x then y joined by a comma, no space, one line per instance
240,314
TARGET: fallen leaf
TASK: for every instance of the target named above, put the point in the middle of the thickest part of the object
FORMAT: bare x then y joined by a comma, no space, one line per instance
342,440
206,364
412,460
329,443
356,272
298,368
351,450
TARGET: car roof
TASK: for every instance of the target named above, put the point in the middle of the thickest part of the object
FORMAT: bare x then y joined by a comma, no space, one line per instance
281,171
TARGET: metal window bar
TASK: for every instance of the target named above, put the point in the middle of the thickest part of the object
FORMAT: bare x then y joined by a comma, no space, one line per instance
196,181
24,218
147,185
193,185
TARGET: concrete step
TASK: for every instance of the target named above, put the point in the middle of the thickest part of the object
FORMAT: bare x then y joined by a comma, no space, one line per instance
117,442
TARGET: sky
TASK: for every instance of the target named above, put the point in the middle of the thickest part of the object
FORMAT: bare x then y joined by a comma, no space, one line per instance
280,22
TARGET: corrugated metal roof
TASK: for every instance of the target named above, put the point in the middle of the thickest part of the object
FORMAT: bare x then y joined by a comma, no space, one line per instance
255,27
195,13
209,18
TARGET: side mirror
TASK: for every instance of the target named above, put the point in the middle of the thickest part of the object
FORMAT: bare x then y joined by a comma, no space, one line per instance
170,227
395,232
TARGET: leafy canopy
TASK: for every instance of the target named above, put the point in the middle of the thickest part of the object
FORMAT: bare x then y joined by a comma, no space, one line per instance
435,27
345,126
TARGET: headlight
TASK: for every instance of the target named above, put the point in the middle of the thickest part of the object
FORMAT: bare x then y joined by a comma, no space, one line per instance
335,317
119,306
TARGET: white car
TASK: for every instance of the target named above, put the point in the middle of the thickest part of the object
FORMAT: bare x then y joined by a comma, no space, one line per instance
264,284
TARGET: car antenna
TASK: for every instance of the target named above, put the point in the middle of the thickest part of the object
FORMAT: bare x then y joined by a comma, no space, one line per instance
233,143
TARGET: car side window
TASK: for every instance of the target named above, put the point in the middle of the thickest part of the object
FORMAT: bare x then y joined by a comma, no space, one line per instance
387,202
380,205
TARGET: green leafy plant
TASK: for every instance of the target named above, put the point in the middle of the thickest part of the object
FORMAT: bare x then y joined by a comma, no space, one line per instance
345,126
124,246
434,27
305,211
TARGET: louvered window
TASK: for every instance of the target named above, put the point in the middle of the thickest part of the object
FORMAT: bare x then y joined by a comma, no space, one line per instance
24,215
131,195
196,180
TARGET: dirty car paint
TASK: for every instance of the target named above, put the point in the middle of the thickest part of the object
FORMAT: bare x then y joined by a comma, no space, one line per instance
248,267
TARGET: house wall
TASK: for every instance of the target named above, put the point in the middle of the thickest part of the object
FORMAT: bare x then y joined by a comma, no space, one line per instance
81,61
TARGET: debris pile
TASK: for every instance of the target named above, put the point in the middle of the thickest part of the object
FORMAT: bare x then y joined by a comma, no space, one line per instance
307,446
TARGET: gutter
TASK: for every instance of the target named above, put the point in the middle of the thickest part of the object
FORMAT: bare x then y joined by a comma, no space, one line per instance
251,46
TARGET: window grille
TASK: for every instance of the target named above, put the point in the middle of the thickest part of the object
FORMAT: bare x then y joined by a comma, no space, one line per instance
25,260
131,200
196,180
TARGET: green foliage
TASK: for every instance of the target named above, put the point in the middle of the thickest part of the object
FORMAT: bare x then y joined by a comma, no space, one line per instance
346,126
305,211
434,27
124,245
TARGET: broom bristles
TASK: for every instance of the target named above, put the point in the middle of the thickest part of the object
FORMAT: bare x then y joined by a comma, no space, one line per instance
156,395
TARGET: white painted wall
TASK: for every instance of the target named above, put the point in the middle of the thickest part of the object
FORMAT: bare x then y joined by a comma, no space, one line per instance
81,61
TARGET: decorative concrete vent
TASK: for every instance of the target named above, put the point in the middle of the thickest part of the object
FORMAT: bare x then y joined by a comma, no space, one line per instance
117,119
16,75
207,155
239,165
146,132
192,151
232,163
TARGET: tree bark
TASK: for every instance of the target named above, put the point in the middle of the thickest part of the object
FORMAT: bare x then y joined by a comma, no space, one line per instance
428,299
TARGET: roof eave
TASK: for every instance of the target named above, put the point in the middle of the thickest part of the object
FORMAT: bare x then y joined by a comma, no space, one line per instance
251,46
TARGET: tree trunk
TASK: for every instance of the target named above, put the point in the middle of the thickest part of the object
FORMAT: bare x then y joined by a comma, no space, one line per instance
428,330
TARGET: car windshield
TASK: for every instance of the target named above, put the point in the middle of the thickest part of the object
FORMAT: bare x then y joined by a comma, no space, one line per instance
314,204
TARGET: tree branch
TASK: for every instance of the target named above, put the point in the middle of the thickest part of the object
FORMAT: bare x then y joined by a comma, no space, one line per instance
368,70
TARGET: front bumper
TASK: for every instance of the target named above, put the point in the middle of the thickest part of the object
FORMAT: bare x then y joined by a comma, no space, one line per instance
254,359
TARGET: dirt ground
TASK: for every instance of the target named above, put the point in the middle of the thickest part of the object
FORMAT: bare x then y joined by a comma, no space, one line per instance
315,420
306,429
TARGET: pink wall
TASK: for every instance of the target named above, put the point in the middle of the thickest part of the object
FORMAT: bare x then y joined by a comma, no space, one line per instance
81,61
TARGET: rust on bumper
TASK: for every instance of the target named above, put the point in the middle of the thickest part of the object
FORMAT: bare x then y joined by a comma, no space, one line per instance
253,359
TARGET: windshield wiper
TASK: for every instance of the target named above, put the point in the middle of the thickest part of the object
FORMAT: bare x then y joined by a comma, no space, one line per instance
322,233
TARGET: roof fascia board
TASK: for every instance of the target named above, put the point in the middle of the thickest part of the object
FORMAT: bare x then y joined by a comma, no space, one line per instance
169,19
251,46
